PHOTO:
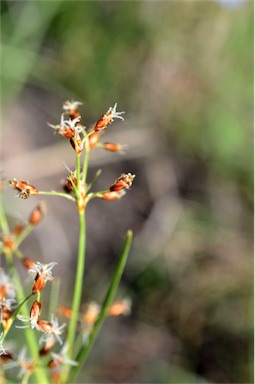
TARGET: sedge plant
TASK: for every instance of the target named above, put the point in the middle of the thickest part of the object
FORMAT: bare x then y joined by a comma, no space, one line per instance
55,353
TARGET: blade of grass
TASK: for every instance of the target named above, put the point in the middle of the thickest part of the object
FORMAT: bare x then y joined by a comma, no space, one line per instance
83,354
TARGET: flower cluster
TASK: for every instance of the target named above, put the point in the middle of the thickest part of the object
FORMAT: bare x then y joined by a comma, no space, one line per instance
47,358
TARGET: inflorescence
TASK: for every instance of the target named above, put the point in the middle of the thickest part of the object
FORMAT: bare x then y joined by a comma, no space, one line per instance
13,301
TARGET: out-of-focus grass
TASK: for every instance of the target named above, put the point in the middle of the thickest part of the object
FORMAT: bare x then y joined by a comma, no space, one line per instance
184,71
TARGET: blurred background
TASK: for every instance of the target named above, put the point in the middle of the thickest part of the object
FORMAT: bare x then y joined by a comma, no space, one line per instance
183,72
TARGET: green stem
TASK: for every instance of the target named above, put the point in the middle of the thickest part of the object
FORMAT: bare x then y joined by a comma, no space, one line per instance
83,354
77,288
21,237
13,317
54,193
3,220
78,172
98,173
85,165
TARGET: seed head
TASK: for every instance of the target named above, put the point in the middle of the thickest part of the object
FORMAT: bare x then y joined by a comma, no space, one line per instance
123,182
43,274
25,189
37,214
108,118
51,328
35,311
67,128
113,147
71,107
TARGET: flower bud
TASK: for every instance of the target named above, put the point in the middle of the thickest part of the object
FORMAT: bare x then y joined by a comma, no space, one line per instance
121,307
71,107
5,357
45,326
35,311
108,118
37,214
93,139
28,263
113,195
91,313
18,229
47,347
43,274
8,242
123,182
70,181
76,143
112,147
23,187
65,311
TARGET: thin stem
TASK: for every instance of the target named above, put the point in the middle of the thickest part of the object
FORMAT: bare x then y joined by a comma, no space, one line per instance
98,173
54,193
3,219
78,172
13,317
83,354
21,237
77,288
85,165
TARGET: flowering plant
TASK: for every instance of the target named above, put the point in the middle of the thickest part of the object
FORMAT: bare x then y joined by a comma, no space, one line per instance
58,352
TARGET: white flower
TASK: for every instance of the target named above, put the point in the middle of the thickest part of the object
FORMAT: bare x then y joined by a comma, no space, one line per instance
71,105
71,124
114,114
61,358
43,270
32,321
51,328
